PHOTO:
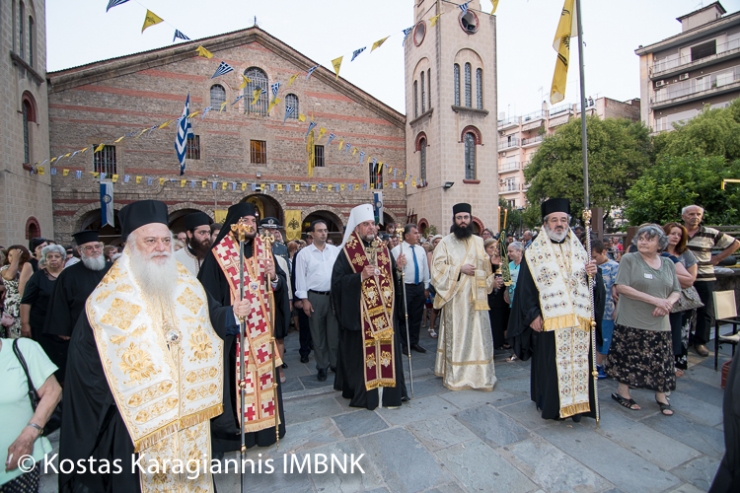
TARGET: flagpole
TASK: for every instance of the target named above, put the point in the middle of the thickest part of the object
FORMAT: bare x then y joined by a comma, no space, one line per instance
587,205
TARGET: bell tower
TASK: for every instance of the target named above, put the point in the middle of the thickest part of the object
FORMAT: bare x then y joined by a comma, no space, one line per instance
451,108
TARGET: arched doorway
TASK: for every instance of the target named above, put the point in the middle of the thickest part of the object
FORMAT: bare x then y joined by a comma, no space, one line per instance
423,226
477,226
33,229
108,234
266,206
333,224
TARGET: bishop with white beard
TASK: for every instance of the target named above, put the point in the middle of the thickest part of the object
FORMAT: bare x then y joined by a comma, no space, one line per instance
144,368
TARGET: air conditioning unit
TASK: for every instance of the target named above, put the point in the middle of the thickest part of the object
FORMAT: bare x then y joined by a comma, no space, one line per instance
683,76
660,83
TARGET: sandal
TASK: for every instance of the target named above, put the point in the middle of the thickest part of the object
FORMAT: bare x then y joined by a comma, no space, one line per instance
432,334
679,372
628,403
665,409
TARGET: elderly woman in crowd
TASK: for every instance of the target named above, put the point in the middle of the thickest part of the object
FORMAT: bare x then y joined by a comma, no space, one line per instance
21,433
18,256
515,252
686,270
641,353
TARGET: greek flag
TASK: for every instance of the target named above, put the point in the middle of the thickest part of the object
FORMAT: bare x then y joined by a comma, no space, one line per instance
464,8
238,98
362,156
331,137
356,53
223,68
347,147
78,174
114,3
179,35
288,111
275,88
205,112
311,71
184,131
310,127
106,202
406,33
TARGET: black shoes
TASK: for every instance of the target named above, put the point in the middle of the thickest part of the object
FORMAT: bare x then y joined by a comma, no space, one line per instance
285,365
304,359
322,375
418,348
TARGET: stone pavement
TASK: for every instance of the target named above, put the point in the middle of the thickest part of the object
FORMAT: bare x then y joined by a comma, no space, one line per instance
452,442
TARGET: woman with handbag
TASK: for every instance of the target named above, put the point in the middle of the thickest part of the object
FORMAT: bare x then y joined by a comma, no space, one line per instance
18,255
683,311
29,392
641,353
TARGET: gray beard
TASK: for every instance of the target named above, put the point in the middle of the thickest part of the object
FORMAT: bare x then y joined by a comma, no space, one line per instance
93,263
556,236
157,282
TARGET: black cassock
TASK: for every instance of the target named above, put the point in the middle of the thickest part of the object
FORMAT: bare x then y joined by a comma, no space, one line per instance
91,423
225,433
540,346
67,302
727,479
350,377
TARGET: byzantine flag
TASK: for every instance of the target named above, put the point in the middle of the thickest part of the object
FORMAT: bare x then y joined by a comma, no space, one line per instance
151,19
567,28
337,64
378,43
203,52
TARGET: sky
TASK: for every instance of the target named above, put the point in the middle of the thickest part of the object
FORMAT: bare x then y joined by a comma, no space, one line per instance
80,32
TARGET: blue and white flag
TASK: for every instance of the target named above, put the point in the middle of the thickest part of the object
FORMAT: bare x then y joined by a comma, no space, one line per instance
238,98
378,207
311,71
288,111
179,35
53,171
149,182
331,137
114,3
362,156
406,33
275,88
464,8
310,127
126,178
106,202
347,147
78,174
223,69
356,53
205,112
184,132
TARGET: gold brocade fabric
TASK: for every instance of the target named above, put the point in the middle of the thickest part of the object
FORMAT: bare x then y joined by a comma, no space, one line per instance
559,272
465,345
165,374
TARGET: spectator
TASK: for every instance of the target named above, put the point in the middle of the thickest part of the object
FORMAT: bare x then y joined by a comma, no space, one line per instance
486,234
616,248
686,270
515,252
18,256
498,308
38,291
609,269
215,230
527,239
641,353
701,242
72,257
108,252
21,433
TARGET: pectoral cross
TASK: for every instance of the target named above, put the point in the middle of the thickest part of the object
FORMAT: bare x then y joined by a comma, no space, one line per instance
372,254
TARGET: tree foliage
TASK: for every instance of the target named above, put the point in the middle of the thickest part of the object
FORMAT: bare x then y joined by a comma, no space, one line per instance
618,152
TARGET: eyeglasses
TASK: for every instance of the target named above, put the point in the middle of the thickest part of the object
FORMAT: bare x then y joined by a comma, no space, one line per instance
91,248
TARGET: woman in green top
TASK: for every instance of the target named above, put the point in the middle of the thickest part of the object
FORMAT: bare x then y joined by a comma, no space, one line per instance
641,355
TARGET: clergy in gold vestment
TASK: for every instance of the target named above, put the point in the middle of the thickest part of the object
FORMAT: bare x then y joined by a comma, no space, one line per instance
462,278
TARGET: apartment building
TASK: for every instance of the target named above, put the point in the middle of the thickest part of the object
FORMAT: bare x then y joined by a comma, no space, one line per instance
521,136
682,74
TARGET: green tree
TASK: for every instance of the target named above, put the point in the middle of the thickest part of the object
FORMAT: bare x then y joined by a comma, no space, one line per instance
674,182
618,152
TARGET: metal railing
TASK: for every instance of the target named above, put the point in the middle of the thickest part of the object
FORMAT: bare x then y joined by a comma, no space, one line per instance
666,64
694,86
512,120
533,140
509,166
561,108
537,115
505,144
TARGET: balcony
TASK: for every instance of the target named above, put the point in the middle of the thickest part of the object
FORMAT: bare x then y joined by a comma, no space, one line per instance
511,122
509,188
508,167
504,144
533,117
727,80
532,141
561,109
666,67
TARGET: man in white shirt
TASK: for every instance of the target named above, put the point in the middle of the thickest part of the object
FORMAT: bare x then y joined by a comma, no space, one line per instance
416,276
313,284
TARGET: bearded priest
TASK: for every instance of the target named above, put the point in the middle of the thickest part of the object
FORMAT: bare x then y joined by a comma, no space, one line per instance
550,319
198,231
365,286
266,290
144,370
462,277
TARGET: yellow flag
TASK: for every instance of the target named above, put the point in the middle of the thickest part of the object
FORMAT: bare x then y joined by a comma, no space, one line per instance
245,81
164,125
413,183
203,52
434,20
354,151
151,19
256,95
280,187
313,187
322,131
566,29
328,187
203,184
380,167
140,133
337,64
341,186
244,186
379,43
223,185
193,115
182,183
52,160
297,187
161,182
341,144
263,187
301,117
83,150
40,170
119,139
138,179
400,184
292,224
115,178
66,155
495,6
100,148
272,104
96,174
292,79
223,105
65,172
311,153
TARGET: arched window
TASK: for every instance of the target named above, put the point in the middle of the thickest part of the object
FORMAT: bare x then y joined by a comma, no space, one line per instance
31,33
416,99
218,97
292,101
479,88
258,80
21,33
429,78
423,94
468,89
27,115
469,156
456,83
423,160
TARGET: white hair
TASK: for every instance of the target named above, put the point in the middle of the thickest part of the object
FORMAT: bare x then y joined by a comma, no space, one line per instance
686,209
516,245
53,249
157,281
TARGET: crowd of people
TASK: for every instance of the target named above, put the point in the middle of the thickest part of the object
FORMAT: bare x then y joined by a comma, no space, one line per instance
121,335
